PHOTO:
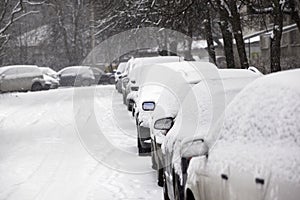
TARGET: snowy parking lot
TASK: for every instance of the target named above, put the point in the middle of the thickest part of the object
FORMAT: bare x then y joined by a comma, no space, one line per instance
43,155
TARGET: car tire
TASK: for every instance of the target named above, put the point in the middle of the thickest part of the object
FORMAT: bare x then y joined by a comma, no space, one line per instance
142,151
124,98
111,81
165,190
130,105
85,83
36,87
153,161
178,189
160,177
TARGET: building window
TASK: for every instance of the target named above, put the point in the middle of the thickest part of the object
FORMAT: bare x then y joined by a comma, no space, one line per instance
265,42
285,39
294,37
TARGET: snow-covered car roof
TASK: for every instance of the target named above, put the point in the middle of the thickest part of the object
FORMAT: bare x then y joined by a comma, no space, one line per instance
75,68
4,68
146,61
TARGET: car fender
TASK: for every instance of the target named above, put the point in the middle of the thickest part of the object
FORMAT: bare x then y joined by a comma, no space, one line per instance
38,80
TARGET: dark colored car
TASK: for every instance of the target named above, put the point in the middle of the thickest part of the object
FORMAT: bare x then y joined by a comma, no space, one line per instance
103,78
76,76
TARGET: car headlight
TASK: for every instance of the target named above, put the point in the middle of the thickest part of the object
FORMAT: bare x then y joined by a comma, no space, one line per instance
164,124
148,106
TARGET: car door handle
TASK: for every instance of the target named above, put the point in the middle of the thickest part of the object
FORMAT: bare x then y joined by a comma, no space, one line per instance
224,177
259,181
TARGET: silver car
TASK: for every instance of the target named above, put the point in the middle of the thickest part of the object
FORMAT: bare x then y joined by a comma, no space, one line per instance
255,151
21,78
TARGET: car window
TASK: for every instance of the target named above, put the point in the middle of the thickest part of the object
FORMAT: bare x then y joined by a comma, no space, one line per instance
28,71
10,72
70,72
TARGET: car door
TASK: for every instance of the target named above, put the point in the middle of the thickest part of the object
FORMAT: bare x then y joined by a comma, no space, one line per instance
213,180
68,77
25,75
8,80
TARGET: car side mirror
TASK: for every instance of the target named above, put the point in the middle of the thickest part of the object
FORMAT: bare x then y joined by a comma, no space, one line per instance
133,81
148,106
194,148
3,76
164,124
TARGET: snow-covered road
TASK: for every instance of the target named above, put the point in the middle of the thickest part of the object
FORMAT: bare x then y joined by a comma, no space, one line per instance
71,144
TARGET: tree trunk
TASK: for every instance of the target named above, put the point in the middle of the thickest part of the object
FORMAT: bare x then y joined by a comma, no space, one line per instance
238,35
209,37
295,14
228,43
188,53
276,39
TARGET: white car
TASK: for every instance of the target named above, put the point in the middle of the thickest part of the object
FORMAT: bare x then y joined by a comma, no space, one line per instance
202,106
21,78
254,153
155,84
135,73
119,75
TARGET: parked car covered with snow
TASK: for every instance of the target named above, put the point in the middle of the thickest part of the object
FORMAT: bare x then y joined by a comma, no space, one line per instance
76,76
135,72
51,78
154,84
170,101
119,75
201,108
103,78
21,78
255,151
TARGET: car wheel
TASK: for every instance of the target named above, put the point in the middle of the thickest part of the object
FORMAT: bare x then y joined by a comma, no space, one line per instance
160,177
165,190
36,87
85,83
154,164
142,151
130,105
124,99
112,81
178,189
189,195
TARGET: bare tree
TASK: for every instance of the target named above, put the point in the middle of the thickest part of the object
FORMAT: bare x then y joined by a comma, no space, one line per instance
10,12
275,9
